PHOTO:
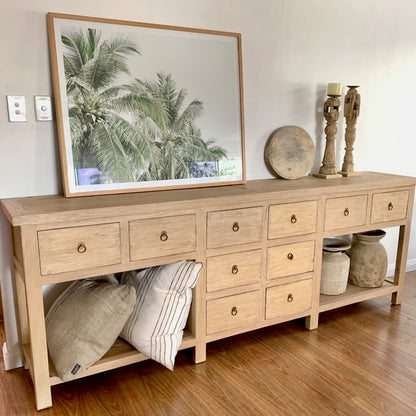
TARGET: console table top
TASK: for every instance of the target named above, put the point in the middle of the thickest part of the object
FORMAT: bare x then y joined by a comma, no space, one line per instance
55,208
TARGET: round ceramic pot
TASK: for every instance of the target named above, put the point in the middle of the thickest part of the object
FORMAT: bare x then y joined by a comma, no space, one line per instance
368,259
335,266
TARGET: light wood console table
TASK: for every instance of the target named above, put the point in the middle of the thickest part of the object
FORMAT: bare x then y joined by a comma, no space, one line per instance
260,243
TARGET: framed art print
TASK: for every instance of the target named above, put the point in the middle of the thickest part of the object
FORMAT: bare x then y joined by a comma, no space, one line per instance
143,107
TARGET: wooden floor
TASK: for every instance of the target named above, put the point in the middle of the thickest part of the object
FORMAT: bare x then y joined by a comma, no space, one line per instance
360,361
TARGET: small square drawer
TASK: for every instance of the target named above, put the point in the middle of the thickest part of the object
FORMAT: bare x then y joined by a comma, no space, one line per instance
156,237
233,311
297,218
345,212
232,270
77,248
288,299
389,206
290,259
235,226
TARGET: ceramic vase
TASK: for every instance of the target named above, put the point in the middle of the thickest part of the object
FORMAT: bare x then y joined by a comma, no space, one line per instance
335,266
368,259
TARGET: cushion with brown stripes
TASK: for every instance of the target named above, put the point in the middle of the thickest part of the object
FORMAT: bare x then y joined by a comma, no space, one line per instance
164,295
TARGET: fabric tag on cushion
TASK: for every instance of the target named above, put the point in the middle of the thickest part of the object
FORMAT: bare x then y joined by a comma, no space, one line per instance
84,322
164,296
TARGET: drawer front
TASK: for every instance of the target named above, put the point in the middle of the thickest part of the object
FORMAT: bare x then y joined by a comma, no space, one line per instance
389,206
233,270
233,311
290,259
298,218
236,226
77,248
288,299
158,237
345,212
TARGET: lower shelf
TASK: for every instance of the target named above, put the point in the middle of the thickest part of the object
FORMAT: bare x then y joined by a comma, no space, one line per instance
355,294
119,355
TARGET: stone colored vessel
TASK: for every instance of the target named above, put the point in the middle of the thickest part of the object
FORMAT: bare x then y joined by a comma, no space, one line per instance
335,266
368,259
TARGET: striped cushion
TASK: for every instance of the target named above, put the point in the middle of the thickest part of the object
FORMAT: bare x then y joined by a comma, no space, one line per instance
164,296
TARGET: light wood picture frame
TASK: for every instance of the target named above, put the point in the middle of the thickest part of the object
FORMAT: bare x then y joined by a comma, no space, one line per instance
143,107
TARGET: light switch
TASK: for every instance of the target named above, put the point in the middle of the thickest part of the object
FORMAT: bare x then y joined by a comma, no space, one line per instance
43,108
17,108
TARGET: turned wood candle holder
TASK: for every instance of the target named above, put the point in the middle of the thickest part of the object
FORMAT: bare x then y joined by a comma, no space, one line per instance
328,169
351,112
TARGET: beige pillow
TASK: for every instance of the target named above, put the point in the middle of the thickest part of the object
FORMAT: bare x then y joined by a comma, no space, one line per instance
84,321
164,296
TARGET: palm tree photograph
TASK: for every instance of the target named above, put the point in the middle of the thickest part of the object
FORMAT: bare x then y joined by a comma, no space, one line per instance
146,108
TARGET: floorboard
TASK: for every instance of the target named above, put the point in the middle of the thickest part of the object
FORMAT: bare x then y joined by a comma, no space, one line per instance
360,361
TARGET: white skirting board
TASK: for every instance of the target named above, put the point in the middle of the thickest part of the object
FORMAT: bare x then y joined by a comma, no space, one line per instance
13,357
410,267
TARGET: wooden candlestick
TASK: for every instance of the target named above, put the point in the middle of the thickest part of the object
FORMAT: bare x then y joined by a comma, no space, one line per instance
351,113
328,169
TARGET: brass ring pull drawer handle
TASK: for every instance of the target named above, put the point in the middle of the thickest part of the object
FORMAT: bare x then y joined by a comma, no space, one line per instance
81,248
234,269
290,256
234,311
290,297
346,212
390,206
163,236
293,219
236,227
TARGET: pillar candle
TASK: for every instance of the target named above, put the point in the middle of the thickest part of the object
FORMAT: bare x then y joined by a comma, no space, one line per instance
334,89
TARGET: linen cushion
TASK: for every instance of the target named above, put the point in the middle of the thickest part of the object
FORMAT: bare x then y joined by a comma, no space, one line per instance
164,296
84,321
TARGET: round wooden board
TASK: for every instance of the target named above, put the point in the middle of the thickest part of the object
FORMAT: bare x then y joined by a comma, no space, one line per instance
290,152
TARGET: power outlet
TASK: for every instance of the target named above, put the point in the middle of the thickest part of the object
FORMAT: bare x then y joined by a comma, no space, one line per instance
17,108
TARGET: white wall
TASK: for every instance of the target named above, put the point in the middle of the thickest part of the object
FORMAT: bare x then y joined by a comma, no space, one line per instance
291,50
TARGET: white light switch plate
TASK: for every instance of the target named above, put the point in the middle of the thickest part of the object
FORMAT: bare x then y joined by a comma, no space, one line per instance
43,108
17,108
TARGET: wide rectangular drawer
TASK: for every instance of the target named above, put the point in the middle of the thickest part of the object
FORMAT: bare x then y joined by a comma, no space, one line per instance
345,212
76,248
288,299
297,218
290,259
235,226
233,311
389,206
156,237
233,270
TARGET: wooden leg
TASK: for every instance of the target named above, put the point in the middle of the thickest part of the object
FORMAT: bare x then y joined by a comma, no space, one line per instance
311,322
199,353
38,357
38,347
22,310
401,258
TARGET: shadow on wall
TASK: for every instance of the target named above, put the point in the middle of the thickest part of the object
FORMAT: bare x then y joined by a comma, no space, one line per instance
7,282
319,127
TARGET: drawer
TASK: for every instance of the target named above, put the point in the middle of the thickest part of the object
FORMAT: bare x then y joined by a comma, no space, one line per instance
288,299
233,311
389,206
235,226
77,248
156,237
290,259
345,212
233,270
298,218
